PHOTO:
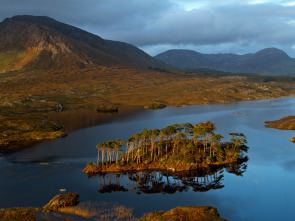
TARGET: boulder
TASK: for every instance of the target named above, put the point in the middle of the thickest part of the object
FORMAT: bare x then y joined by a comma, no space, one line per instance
62,200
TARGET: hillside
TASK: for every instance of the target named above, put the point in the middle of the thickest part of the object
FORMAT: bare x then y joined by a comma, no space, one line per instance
269,61
38,42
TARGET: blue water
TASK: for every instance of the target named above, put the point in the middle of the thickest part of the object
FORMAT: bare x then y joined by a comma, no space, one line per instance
264,192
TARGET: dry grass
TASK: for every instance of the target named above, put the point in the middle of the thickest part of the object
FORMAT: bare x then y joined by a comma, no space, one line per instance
100,211
24,214
102,85
197,213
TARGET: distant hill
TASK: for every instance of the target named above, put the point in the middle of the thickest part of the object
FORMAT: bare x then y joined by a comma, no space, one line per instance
270,61
41,42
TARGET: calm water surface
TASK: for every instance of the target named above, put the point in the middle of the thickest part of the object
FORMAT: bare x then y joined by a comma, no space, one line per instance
265,191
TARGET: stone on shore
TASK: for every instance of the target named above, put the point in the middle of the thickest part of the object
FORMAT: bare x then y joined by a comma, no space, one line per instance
62,200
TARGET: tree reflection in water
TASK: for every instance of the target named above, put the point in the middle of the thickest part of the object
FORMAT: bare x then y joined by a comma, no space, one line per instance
200,180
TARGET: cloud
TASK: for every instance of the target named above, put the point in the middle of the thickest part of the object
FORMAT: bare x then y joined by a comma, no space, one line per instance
240,24
292,3
232,25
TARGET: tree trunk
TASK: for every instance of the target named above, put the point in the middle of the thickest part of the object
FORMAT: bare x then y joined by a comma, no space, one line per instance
102,157
166,150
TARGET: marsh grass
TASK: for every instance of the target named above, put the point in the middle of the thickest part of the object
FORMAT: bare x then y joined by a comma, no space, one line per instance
18,214
102,211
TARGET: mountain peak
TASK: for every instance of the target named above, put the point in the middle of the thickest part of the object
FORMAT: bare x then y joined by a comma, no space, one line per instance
30,18
267,61
272,52
57,26
42,42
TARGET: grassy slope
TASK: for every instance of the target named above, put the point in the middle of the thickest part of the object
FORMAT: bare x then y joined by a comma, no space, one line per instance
15,60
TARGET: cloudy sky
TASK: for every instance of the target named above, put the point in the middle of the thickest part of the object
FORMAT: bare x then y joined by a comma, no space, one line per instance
207,26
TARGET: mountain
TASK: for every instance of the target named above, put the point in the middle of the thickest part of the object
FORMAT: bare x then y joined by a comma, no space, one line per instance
39,42
271,61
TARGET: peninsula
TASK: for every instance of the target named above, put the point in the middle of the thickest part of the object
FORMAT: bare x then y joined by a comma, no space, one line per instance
285,123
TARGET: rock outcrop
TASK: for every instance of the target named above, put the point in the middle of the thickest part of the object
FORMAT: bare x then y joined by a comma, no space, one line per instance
62,200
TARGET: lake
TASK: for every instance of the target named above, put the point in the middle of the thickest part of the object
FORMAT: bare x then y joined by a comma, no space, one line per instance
264,191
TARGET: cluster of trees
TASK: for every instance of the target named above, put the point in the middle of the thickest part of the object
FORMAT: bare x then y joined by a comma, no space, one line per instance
182,143
109,150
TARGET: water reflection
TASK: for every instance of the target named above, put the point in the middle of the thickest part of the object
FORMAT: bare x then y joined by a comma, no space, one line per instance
200,180
73,120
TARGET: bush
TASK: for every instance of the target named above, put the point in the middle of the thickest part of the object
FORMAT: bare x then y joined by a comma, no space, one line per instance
89,164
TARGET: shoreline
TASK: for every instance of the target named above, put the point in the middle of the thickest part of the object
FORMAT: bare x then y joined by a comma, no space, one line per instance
68,213
22,141
101,170
285,123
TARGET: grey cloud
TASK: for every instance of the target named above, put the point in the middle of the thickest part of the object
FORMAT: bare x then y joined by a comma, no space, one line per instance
102,13
219,25
233,26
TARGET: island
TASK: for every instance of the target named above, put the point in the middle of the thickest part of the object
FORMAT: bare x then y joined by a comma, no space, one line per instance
177,147
285,123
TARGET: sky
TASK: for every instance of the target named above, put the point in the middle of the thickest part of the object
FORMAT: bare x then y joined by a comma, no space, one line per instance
206,26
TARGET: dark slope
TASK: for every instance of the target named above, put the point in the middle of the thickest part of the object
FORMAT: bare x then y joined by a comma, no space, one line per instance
267,61
42,42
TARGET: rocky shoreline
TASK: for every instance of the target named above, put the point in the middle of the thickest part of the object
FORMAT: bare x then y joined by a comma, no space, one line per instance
66,206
